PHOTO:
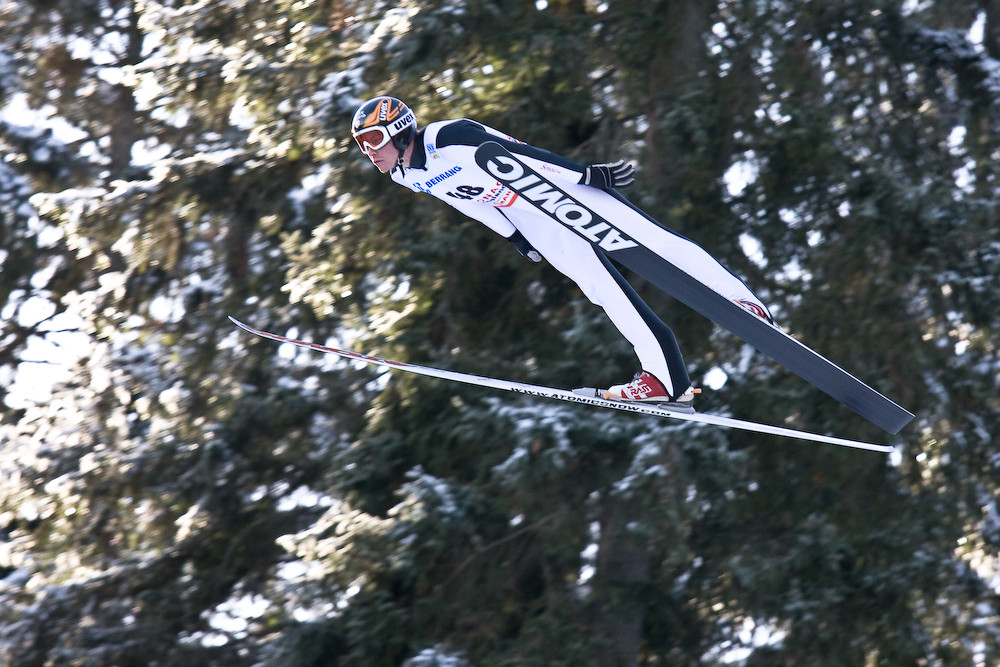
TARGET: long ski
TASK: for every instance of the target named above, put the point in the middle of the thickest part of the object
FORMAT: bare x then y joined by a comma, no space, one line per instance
571,396
623,241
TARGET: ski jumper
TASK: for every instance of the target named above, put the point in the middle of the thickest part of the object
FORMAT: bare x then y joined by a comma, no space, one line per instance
443,165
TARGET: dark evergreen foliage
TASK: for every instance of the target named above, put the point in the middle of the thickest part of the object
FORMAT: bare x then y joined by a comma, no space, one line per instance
185,495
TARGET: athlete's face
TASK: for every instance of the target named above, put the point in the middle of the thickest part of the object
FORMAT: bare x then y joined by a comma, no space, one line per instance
383,158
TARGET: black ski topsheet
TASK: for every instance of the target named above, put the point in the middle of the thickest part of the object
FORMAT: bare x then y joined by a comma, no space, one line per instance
769,339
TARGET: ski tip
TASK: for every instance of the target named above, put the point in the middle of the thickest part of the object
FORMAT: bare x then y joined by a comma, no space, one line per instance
241,325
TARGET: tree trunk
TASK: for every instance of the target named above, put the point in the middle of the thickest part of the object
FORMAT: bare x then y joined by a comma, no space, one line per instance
622,574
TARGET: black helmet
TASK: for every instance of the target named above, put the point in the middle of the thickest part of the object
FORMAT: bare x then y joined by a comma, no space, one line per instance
382,119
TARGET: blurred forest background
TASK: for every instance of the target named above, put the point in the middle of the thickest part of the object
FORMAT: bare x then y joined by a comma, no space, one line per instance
175,492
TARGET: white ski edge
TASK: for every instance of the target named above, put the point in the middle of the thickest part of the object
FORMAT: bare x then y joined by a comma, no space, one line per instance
570,396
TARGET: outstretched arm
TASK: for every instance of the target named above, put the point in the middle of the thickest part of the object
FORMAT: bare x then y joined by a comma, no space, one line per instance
603,176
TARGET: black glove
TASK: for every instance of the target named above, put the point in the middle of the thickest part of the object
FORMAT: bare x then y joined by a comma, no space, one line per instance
524,247
607,176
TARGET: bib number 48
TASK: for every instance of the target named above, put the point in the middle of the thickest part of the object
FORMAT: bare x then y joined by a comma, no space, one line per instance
466,192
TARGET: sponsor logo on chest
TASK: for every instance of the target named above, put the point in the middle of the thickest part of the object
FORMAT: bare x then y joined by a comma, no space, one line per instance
473,186
557,204
440,178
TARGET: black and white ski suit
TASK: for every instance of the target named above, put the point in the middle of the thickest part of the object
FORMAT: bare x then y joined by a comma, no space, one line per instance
443,165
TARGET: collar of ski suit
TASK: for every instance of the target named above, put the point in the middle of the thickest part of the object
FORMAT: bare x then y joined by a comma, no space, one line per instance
418,159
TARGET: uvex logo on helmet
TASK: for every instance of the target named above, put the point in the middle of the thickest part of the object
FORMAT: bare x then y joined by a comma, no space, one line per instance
399,125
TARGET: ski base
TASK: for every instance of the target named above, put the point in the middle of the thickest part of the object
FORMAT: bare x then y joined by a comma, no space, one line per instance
573,396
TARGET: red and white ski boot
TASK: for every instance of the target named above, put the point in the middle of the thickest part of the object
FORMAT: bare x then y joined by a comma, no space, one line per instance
647,389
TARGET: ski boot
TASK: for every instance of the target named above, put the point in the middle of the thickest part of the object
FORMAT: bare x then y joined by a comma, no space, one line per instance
647,389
